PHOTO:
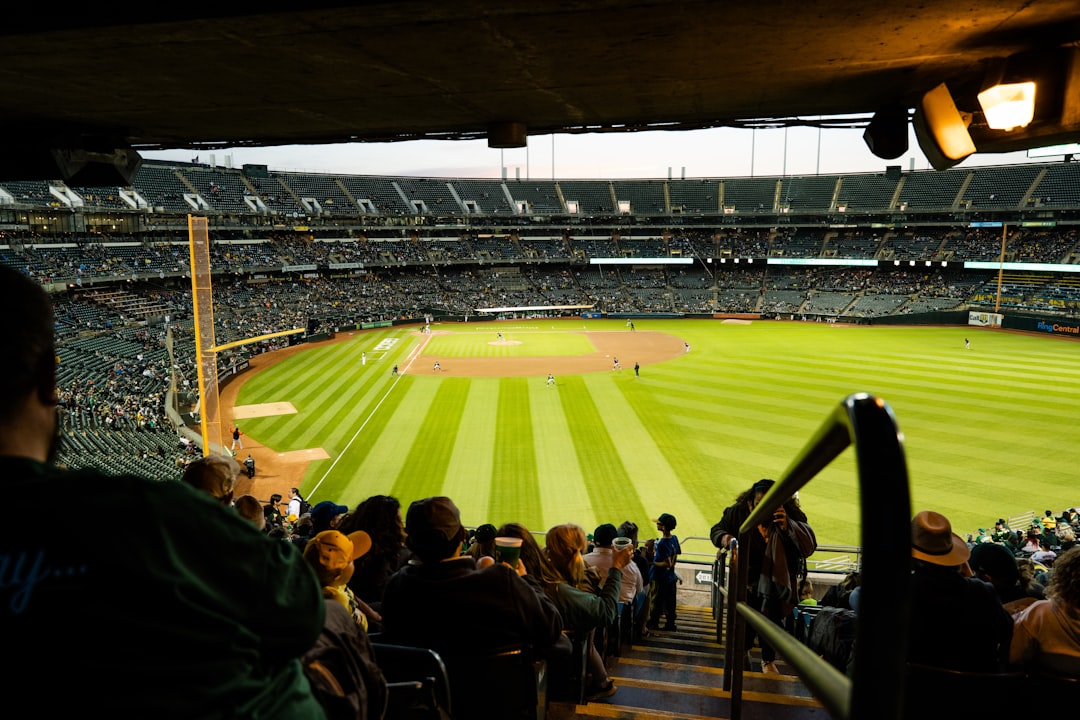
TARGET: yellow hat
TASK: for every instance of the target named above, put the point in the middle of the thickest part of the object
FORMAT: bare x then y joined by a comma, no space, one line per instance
333,551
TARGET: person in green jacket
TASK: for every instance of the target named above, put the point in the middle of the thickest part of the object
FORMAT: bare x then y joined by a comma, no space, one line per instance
160,602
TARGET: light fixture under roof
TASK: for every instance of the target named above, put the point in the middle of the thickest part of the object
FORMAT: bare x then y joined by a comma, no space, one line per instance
1008,106
942,129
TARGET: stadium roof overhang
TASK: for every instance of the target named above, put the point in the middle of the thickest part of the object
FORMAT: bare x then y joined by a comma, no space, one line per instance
96,77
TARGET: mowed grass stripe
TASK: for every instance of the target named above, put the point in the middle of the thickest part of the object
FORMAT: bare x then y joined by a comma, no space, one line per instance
515,490
734,448
426,461
341,472
671,436
959,382
301,375
611,493
366,388
468,476
658,485
300,383
968,395
325,394
563,493
374,461
362,395
287,376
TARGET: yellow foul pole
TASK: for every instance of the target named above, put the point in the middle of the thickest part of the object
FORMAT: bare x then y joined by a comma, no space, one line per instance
202,301
1001,267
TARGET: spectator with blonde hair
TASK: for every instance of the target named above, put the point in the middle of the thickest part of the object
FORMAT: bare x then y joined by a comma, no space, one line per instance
582,609
1066,536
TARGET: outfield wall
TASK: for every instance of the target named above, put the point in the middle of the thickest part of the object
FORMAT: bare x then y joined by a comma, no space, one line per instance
941,317
1046,324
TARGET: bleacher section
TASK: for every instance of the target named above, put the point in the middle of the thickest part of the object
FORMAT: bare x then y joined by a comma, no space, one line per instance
866,193
1007,188
750,195
320,193
811,193
930,191
645,197
694,197
594,197
536,197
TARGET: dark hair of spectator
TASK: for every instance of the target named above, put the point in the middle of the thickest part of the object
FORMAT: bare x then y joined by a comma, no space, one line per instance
532,557
28,362
380,517
791,506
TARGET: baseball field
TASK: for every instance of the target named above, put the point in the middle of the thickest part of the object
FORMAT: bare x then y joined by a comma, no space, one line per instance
990,430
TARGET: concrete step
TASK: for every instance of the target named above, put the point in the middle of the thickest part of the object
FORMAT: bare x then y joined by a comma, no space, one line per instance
679,674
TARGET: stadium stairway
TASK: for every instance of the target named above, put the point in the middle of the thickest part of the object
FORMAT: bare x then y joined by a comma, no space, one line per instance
680,674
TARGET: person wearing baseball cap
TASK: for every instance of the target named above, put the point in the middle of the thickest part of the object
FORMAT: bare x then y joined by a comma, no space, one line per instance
956,621
326,515
444,602
331,554
667,520
665,579
344,639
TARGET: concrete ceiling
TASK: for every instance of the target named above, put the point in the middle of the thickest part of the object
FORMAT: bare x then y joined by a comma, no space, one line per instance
231,74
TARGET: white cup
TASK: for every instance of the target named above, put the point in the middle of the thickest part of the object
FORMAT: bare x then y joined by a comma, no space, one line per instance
620,543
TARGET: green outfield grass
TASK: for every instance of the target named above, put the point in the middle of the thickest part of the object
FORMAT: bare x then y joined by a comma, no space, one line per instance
989,431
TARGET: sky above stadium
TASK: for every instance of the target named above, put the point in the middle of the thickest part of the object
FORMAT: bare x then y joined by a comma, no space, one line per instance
719,152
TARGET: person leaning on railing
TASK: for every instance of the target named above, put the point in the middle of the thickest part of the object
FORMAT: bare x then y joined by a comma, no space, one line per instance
776,559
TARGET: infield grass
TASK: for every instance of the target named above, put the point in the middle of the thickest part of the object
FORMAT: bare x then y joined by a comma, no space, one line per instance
481,343
990,431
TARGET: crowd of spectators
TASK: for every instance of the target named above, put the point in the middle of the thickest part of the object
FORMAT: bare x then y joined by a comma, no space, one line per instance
427,581
986,605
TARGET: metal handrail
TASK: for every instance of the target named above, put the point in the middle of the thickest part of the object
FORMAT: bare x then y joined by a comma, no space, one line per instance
876,688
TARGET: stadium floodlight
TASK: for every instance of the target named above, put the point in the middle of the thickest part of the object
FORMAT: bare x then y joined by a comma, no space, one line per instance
1030,99
942,130
1008,106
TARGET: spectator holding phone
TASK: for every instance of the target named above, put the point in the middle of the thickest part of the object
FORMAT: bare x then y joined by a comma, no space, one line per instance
776,555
